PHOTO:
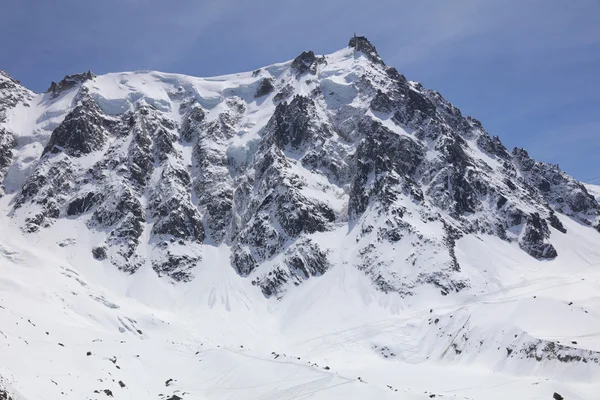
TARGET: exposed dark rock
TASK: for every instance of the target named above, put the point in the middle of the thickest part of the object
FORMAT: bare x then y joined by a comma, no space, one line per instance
7,143
555,222
178,219
452,235
81,132
306,63
533,240
265,88
123,215
82,204
99,253
291,123
382,103
501,202
381,152
68,82
360,43
11,93
492,146
4,395
542,350
563,193
175,266
193,118
283,94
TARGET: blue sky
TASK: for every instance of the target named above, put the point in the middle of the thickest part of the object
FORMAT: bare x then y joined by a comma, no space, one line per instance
528,69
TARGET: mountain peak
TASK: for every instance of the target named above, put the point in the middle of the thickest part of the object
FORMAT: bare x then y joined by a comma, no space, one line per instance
69,81
362,44
6,75
306,62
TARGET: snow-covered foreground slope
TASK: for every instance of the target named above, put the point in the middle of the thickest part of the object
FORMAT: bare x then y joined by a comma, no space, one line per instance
321,227
334,337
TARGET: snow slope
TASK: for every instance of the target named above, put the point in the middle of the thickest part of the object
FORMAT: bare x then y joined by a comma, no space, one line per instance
319,228
219,338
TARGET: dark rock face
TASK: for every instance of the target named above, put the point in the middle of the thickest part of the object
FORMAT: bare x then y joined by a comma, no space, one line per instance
543,350
68,82
382,103
533,242
175,218
563,193
82,131
82,204
11,93
291,125
123,216
99,253
278,203
493,146
555,222
142,146
381,152
278,213
7,143
46,187
193,117
360,43
4,395
306,63
284,94
265,88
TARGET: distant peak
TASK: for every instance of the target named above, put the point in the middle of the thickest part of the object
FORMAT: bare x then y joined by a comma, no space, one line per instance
6,75
69,81
306,62
362,44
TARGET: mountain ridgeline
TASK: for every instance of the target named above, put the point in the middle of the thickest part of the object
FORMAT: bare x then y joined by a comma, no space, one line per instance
283,166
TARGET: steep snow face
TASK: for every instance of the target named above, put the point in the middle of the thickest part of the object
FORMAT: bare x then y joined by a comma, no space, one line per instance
326,192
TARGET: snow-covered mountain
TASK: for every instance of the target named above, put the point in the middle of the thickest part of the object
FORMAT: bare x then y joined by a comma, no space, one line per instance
321,210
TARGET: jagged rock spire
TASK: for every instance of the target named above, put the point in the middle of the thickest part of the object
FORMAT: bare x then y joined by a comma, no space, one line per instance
306,62
362,44
69,81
